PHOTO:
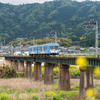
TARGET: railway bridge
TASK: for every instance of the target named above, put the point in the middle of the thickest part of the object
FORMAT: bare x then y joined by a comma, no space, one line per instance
86,74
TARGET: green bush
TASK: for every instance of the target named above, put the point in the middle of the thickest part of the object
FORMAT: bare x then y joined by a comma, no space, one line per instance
21,74
7,71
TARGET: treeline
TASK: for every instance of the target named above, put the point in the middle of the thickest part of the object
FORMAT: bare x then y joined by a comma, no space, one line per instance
62,42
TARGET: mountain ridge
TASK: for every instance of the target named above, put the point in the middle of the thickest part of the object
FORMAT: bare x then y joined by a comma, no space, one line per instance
36,20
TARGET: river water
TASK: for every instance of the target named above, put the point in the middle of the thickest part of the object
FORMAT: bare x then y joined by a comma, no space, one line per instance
56,80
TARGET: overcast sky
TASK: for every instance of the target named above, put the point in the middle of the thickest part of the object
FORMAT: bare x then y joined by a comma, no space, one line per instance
17,2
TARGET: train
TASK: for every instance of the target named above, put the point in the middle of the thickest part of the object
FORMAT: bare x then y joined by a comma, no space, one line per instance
44,50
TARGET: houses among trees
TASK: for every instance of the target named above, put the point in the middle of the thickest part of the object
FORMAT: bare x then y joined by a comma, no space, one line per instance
10,50
78,49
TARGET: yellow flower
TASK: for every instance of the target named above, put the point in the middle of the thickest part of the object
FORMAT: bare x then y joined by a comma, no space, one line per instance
34,95
47,93
61,91
82,61
97,70
89,92
42,69
4,96
53,94
56,69
50,93
16,72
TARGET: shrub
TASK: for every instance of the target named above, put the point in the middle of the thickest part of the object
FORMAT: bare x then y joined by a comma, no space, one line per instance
21,74
7,72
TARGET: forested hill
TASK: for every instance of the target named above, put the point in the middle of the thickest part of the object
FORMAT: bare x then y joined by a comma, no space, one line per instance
64,16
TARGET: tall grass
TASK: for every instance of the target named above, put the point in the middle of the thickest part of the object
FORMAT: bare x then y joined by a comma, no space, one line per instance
26,89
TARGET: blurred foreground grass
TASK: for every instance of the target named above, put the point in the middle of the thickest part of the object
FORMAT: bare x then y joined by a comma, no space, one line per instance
26,89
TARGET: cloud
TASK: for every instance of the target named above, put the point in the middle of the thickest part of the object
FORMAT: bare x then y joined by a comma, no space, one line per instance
17,2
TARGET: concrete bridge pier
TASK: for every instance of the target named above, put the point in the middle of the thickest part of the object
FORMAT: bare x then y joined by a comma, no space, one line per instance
21,66
86,81
48,74
28,70
12,63
64,78
8,62
37,71
15,64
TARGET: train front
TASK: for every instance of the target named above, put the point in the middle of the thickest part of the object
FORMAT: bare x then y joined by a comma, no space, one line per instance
54,49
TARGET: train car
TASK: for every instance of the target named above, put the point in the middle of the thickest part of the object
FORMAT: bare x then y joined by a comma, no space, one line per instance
44,50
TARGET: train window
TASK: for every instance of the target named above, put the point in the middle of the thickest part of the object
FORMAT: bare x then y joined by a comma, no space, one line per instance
53,47
50,47
56,47
44,48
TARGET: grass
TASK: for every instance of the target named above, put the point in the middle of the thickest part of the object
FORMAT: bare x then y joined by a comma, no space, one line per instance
25,89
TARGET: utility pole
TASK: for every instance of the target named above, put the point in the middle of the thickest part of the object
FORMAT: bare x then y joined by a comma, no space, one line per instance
53,33
96,34
84,45
55,37
20,47
4,44
1,43
96,39
11,48
33,40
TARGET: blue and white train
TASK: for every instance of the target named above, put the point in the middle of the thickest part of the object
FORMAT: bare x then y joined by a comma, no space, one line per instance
44,50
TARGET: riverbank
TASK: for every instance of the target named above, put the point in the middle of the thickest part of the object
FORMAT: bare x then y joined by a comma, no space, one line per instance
26,89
